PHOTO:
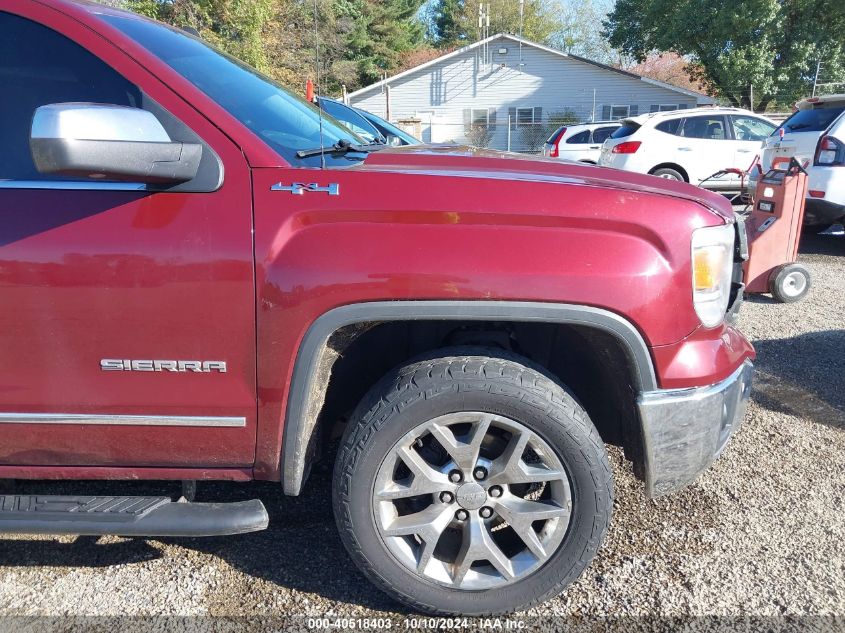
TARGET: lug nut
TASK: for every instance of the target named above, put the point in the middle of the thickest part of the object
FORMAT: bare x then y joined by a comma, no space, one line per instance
447,497
461,515
486,512
455,476
480,473
496,491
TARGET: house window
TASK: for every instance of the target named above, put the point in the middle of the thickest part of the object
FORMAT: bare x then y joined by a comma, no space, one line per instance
619,112
479,118
664,107
525,117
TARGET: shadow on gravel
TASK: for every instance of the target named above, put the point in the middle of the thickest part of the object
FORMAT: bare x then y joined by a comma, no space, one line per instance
85,551
803,375
300,550
764,299
831,242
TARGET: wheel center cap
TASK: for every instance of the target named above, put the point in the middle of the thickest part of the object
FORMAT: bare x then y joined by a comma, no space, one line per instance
471,496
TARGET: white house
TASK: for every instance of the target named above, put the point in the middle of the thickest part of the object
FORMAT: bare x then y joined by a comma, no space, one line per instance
504,79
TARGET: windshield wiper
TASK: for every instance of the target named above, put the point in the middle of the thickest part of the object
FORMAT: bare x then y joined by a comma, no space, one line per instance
341,148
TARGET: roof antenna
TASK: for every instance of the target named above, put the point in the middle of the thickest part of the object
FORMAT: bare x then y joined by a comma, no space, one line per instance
317,91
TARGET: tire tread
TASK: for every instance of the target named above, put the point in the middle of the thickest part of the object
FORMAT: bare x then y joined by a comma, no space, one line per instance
497,370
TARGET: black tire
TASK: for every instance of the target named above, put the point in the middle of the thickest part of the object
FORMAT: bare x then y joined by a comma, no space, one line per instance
669,174
494,382
790,283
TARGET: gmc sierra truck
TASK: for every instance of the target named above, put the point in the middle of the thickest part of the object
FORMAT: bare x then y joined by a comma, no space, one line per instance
203,278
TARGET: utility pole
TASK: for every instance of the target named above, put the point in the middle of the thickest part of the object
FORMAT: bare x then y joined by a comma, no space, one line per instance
481,23
521,22
484,30
751,97
489,55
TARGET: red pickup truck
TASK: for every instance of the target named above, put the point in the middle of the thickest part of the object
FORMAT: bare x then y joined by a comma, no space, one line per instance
204,279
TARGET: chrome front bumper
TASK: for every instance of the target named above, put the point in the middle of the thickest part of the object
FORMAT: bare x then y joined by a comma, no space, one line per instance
685,430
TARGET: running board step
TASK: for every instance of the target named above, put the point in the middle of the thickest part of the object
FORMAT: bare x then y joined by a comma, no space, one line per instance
127,516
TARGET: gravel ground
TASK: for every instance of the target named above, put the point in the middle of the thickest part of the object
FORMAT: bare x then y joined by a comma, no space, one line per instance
761,534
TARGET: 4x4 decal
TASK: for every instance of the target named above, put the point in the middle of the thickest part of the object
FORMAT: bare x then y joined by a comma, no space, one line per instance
298,188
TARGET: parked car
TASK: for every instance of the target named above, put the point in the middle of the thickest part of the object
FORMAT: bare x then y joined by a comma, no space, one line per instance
365,124
206,281
393,134
815,135
581,142
689,145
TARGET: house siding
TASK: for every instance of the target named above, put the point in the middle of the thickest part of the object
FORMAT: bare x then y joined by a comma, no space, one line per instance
445,93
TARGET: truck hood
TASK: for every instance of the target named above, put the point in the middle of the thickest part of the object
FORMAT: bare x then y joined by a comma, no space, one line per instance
468,162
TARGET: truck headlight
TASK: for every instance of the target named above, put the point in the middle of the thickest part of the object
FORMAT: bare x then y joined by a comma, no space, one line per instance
712,265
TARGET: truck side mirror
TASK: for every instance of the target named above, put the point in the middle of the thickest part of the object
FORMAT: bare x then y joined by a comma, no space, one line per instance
109,142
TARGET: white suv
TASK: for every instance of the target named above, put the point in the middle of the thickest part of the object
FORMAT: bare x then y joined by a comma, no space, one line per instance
815,136
581,143
690,145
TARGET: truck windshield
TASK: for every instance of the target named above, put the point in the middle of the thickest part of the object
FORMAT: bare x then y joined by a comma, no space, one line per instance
281,119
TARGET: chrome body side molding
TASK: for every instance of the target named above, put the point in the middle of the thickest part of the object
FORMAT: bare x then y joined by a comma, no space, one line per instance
121,420
72,185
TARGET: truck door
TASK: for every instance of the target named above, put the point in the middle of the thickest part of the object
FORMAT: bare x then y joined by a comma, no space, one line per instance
127,316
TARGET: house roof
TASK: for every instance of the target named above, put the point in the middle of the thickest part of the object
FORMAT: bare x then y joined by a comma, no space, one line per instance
506,36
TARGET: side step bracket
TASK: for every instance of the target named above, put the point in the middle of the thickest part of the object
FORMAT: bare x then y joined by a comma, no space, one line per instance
127,516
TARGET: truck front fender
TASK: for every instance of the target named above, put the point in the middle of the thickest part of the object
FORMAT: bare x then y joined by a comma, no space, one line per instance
310,373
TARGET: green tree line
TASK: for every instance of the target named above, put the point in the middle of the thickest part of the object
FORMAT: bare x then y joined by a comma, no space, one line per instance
359,40
748,52
752,53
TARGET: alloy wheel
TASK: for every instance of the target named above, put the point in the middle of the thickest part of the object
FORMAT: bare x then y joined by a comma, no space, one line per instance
472,500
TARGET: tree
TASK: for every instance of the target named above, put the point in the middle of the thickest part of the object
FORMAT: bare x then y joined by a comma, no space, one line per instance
567,116
235,26
291,45
359,40
382,31
480,135
456,21
419,56
669,68
768,47
577,33
446,21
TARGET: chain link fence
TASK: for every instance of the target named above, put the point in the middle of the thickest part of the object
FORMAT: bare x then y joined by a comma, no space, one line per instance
510,134
514,133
